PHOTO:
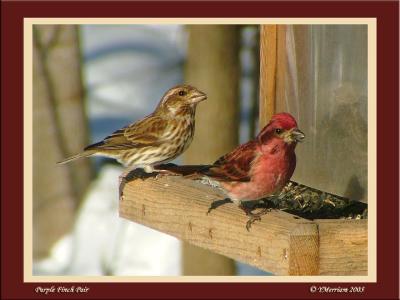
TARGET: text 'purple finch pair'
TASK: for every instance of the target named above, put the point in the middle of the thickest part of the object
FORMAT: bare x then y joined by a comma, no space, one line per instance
158,138
259,168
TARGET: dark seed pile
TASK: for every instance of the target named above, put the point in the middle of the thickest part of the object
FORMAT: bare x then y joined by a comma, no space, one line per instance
310,203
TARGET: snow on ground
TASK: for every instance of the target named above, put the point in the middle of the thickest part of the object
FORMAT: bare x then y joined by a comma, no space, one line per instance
103,243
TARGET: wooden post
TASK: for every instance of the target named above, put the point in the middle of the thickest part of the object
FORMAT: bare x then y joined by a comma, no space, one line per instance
304,242
268,65
213,67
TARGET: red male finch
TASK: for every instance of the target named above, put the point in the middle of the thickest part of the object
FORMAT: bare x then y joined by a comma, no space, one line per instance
257,169
158,138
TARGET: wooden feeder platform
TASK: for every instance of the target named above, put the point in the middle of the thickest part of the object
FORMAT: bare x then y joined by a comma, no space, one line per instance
295,243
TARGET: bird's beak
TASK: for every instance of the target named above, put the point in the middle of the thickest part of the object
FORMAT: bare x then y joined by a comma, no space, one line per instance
297,135
197,97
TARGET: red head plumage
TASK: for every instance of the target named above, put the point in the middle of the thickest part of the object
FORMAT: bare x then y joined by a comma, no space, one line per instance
279,125
285,120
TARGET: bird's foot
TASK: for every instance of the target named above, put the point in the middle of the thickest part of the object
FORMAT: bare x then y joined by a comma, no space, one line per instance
130,175
143,174
122,184
253,216
140,174
251,220
218,203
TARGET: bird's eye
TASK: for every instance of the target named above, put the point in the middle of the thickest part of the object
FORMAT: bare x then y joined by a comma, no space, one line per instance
278,131
181,93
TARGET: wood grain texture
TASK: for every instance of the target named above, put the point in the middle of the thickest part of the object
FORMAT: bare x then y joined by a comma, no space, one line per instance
280,243
268,66
343,247
304,250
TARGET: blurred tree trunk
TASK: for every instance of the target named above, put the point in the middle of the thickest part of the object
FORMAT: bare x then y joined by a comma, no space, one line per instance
59,130
213,67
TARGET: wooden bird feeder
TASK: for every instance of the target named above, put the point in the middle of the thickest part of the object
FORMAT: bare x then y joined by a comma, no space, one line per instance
282,243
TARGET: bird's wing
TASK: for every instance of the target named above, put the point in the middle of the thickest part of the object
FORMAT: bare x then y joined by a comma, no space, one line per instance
150,131
236,165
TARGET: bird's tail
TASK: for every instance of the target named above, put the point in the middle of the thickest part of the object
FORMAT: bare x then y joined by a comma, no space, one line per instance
76,156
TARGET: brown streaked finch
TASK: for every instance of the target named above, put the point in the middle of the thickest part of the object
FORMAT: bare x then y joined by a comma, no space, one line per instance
158,138
257,169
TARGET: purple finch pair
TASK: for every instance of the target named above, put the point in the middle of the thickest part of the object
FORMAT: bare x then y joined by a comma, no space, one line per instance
254,170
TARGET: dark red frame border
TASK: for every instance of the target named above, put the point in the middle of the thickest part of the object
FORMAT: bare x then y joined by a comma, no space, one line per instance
12,14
